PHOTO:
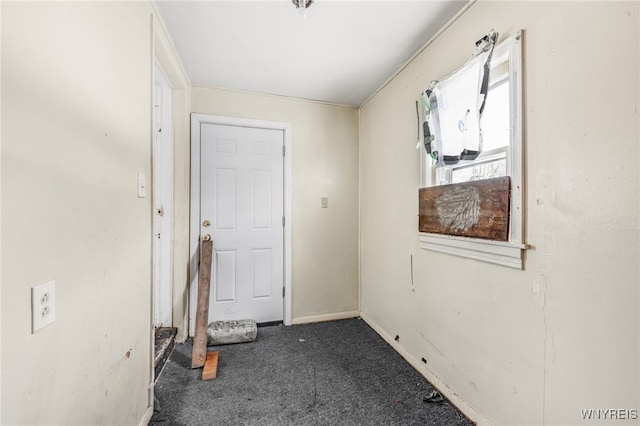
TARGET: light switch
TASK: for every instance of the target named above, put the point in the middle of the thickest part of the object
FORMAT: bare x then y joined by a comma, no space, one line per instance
142,185
324,202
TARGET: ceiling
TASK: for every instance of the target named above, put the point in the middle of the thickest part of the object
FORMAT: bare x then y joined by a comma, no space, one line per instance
342,52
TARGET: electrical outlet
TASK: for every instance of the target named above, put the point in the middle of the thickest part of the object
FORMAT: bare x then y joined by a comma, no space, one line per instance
43,305
324,202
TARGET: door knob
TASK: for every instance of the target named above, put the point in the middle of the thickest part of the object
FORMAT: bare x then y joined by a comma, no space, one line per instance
206,237
206,223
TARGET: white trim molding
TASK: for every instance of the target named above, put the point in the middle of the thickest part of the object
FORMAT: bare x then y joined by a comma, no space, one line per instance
498,252
166,53
146,418
326,317
196,121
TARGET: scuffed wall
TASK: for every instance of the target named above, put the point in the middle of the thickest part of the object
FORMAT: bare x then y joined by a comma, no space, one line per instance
76,102
325,162
533,346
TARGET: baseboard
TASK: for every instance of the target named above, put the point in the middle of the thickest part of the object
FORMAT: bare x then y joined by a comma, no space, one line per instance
455,399
182,335
325,317
147,415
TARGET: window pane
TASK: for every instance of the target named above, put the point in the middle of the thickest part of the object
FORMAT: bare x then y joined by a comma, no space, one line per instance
485,170
495,118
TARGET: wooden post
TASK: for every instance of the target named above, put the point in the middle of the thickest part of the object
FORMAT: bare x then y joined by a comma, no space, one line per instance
202,307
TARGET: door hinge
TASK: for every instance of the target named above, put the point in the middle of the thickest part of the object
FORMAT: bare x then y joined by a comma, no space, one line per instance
282,291
283,221
283,150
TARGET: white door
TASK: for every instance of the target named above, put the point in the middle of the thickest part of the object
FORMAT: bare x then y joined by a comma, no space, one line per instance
241,207
162,178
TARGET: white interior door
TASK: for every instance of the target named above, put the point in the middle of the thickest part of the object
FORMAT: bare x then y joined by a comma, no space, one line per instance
241,207
162,179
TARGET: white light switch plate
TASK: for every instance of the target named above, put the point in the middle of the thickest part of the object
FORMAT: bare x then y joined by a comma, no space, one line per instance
43,305
142,185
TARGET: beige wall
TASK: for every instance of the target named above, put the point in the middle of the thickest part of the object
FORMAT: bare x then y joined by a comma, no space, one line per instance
325,161
76,102
533,346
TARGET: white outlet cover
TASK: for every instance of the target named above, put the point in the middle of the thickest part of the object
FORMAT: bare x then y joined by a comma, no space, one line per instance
43,305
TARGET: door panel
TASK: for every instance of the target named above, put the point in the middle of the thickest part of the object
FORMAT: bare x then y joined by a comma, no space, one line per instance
262,197
241,194
262,273
225,275
225,195
162,196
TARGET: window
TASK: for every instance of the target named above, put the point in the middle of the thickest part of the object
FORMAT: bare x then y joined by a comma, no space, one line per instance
501,155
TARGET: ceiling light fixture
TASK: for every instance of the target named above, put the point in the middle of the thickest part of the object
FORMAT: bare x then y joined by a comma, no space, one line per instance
302,6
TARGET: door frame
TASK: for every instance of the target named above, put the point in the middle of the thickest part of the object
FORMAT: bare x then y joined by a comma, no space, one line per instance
162,193
197,120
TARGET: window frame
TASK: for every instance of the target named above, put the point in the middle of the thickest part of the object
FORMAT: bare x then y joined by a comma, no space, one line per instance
509,253
487,156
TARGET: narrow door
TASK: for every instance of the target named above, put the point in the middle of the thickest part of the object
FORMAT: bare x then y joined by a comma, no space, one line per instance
162,177
241,208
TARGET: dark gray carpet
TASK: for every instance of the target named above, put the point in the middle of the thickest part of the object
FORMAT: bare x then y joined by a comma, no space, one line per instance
332,373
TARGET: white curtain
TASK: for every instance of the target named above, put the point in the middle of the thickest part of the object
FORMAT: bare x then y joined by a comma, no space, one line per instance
454,105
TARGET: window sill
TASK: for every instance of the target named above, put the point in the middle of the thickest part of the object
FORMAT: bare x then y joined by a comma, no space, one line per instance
498,252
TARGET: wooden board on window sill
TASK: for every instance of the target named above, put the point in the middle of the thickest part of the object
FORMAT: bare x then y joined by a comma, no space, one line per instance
477,209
